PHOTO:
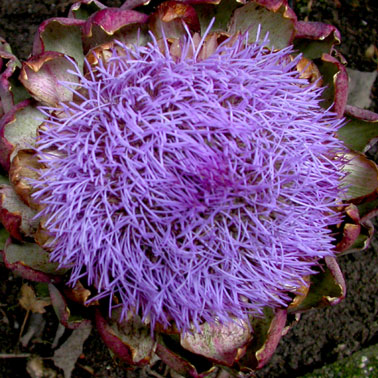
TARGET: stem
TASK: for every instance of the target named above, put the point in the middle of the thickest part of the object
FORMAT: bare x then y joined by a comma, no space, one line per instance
23,325
15,355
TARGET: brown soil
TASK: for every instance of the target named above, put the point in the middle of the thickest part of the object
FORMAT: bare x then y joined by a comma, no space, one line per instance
322,336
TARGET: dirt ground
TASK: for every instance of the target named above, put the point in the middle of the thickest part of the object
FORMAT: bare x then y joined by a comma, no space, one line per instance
322,336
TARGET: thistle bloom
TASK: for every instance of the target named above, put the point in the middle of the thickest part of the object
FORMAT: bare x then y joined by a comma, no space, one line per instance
193,188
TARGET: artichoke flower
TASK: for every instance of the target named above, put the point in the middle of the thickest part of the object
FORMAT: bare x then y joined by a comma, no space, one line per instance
188,172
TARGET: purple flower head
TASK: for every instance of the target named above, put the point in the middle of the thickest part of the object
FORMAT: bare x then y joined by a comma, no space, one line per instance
193,189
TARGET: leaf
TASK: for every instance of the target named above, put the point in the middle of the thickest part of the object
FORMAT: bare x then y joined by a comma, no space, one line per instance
43,75
18,90
112,24
313,39
62,35
367,228
169,20
66,356
326,288
223,343
362,178
4,180
113,19
300,293
360,86
351,233
368,207
181,360
23,170
63,312
16,217
277,20
267,332
222,14
349,230
4,235
357,133
78,294
9,70
30,302
129,339
21,132
335,81
9,120
82,10
274,334
31,256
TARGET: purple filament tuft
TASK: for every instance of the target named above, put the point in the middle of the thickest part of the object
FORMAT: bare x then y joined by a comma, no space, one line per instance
193,189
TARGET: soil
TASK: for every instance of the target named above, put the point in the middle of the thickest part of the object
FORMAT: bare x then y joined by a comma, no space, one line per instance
322,336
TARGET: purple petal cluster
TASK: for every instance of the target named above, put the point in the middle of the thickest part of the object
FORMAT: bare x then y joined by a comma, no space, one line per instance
193,189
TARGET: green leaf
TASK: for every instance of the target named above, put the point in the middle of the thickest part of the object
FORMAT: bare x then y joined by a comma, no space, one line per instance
219,342
357,133
366,208
16,217
32,256
84,11
135,335
335,81
360,243
42,289
314,49
250,16
267,331
324,289
4,235
129,339
222,14
4,180
18,90
181,360
63,312
133,34
21,132
65,39
362,178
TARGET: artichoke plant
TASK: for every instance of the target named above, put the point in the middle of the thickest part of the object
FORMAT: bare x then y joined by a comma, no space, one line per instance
187,172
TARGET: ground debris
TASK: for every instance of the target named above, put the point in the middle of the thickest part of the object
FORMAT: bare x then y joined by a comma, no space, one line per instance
66,356
36,369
